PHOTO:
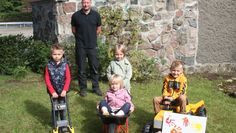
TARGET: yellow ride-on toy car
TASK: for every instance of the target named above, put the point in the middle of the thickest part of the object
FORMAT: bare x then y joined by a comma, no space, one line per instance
61,126
155,126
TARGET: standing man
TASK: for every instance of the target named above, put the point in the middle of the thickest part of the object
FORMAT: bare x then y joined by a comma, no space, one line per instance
86,25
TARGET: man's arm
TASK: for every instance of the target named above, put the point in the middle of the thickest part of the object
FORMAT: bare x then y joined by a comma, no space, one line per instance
99,29
73,29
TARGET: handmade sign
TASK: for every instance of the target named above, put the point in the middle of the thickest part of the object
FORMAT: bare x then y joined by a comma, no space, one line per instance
179,123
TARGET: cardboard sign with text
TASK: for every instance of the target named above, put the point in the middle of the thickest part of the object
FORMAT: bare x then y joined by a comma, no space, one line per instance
179,123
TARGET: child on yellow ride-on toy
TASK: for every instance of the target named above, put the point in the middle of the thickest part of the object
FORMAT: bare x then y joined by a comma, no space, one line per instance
174,89
173,99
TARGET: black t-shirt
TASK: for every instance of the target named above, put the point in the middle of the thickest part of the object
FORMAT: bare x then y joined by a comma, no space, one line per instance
86,28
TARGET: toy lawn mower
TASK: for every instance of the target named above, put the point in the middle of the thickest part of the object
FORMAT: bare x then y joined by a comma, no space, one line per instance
155,126
61,126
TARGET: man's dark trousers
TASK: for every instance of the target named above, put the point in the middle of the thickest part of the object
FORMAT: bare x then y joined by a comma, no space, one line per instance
81,55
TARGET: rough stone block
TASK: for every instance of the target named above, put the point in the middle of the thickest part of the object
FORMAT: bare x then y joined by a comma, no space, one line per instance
69,7
152,36
179,13
170,5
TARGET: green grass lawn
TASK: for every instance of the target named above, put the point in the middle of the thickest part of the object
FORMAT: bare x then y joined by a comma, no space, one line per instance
25,106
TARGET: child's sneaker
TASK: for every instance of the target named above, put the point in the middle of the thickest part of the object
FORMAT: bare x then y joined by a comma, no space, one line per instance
105,113
120,113
113,114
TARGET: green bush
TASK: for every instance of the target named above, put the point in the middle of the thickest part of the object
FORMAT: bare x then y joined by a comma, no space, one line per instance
105,56
18,51
20,72
120,27
11,53
11,5
70,56
37,55
144,68
15,16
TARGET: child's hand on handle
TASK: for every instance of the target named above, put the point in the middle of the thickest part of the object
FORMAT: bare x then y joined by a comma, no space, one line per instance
63,93
54,95
167,100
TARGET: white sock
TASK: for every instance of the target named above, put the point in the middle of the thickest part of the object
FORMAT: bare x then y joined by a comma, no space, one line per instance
113,114
120,113
104,110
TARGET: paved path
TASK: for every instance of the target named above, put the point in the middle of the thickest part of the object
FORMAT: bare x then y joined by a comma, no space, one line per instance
14,31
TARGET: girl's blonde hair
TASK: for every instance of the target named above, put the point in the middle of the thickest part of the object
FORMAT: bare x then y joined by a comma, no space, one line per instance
120,47
115,78
176,63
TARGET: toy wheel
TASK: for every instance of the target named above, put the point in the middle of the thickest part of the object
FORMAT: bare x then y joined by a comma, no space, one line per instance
202,111
148,128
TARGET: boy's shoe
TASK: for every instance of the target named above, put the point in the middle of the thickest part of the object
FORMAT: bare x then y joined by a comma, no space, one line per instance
83,93
98,92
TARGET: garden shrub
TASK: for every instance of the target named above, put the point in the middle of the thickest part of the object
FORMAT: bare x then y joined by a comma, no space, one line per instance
20,72
15,17
70,56
11,53
18,51
37,55
144,67
120,27
105,55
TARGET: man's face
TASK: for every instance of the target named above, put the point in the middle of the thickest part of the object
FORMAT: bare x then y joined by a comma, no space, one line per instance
86,5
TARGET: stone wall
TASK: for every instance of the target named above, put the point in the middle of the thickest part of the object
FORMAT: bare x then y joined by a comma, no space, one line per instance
169,29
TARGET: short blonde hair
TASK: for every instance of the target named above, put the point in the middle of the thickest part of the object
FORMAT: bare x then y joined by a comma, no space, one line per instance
115,78
176,63
120,47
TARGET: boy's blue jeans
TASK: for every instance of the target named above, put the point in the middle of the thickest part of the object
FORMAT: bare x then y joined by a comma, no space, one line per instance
125,108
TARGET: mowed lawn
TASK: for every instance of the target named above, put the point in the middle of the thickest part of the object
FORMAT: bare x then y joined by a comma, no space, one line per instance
25,105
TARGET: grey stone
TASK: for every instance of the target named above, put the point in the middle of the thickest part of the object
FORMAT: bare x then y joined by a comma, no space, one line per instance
157,17
146,17
148,10
189,61
152,36
182,36
100,4
145,2
134,2
170,5
192,22
144,28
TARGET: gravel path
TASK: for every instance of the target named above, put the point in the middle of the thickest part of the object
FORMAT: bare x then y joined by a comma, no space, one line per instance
14,31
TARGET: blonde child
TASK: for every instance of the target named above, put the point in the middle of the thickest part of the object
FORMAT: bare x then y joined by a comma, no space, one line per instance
57,77
117,100
121,66
174,88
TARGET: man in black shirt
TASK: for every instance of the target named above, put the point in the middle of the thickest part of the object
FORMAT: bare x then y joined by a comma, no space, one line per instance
86,25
